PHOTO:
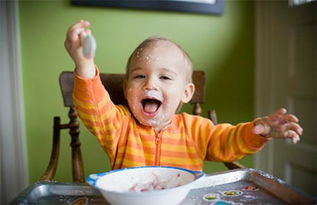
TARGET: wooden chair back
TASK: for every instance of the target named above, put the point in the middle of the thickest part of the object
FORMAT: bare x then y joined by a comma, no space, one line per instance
114,85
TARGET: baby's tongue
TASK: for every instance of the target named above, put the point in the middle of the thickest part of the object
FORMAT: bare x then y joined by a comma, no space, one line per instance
150,106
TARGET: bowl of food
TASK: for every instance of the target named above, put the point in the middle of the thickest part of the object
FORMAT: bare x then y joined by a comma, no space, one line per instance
148,185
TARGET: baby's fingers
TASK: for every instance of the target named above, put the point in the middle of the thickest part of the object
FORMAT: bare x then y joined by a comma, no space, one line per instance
290,118
278,113
292,135
293,131
292,126
77,28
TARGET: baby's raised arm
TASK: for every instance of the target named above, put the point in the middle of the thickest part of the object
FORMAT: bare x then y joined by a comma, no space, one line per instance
85,66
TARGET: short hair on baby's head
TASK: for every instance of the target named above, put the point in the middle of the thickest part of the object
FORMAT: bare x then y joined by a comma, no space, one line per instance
151,41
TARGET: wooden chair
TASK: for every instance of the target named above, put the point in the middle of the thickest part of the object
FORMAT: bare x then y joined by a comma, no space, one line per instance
113,84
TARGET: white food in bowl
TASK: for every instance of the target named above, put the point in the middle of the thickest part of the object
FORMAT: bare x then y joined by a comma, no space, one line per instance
144,180
145,185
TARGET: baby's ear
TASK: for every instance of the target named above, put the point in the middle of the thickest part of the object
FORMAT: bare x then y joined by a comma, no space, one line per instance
188,92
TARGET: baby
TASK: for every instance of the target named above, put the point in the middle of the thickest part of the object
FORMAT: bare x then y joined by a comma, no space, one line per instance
149,132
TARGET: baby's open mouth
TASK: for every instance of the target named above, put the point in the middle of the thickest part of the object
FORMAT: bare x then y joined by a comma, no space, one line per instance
151,105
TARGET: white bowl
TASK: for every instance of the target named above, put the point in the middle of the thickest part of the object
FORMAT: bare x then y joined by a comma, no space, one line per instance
149,185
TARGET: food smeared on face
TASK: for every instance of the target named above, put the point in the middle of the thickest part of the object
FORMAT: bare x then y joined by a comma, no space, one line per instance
157,83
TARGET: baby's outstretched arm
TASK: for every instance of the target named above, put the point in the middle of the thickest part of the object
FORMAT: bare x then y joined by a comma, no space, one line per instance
279,125
85,66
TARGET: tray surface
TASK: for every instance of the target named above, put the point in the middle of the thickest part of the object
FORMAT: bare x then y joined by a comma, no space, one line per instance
241,186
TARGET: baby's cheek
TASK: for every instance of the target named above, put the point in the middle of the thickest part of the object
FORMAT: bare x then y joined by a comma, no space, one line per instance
130,90
170,107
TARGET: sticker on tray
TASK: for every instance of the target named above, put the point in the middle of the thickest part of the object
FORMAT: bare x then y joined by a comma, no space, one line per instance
224,202
80,201
211,196
232,193
247,198
251,188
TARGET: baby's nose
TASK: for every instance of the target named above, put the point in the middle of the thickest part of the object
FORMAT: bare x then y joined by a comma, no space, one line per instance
150,84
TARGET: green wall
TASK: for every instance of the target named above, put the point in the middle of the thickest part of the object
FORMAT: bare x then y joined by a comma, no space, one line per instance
223,46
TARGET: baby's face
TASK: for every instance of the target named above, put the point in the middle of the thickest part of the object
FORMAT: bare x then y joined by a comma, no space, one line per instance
157,84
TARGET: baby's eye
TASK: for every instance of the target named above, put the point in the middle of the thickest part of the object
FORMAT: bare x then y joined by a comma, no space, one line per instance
164,77
139,76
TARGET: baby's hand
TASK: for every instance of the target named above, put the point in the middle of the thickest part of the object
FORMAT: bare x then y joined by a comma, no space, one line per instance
73,44
279,125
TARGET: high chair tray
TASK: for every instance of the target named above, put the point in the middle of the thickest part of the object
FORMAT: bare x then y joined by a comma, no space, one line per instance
240,186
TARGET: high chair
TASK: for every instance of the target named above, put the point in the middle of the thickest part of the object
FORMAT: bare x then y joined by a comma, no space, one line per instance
113,83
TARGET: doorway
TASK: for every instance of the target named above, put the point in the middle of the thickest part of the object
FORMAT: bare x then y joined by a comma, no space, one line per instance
286,76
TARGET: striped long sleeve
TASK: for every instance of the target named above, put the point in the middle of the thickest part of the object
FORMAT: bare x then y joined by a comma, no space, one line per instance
186,142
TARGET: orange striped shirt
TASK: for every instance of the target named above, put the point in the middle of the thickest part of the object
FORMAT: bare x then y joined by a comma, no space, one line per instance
186,142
